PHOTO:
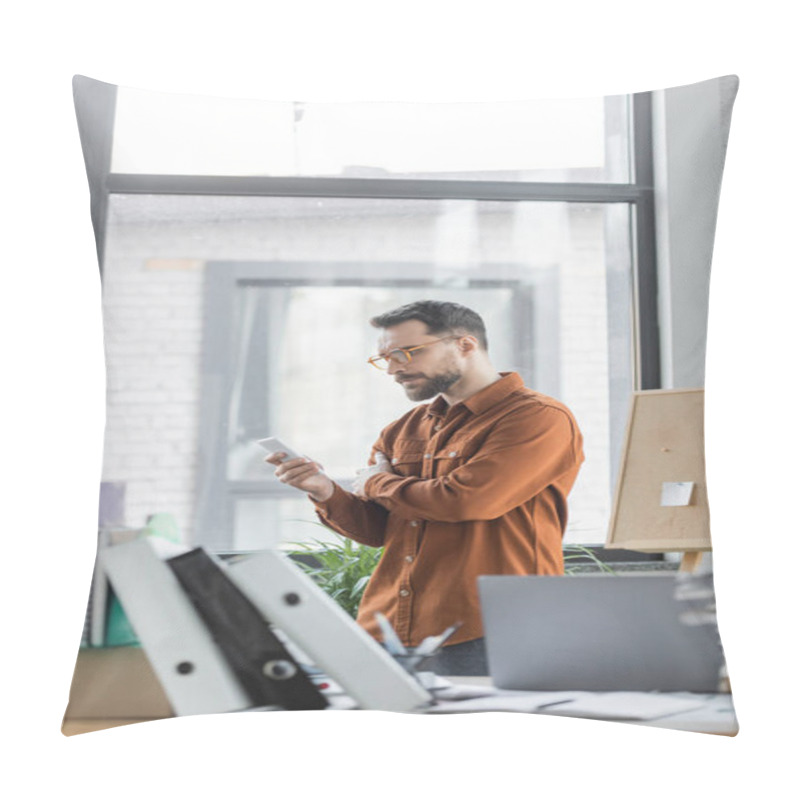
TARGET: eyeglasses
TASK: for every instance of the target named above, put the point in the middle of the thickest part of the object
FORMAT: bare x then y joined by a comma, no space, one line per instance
402,355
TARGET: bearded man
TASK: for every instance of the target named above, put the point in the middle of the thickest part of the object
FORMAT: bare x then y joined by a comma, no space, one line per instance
473,483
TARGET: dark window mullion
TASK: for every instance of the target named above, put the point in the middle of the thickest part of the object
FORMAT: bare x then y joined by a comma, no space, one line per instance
644,242
400,188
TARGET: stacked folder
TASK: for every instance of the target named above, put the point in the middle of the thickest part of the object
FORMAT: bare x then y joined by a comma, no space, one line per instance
211,633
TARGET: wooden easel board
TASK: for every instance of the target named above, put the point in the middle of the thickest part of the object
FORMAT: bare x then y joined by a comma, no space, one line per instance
664,443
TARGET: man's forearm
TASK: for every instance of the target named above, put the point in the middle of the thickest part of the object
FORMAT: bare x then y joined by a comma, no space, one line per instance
358,519
516,465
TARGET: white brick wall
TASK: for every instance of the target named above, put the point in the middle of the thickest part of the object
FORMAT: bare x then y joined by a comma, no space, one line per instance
152,322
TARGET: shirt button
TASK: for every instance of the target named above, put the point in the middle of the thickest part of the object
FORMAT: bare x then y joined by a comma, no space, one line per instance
404,593
394,461
414,523
427,455
409,559
452,454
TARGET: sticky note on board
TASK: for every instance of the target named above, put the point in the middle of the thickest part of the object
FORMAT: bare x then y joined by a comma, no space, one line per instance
677,493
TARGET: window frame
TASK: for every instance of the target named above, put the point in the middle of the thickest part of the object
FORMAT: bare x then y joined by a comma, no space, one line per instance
216,508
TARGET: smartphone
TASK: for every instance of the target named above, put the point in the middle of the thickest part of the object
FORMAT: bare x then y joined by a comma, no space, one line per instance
274,445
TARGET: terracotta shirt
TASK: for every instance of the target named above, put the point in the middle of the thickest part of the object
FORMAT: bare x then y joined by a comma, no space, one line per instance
479,488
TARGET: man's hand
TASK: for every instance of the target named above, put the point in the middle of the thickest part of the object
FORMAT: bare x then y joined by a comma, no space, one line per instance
303,474
363,475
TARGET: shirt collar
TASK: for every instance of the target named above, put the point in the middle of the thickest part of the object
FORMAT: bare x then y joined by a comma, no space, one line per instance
484,399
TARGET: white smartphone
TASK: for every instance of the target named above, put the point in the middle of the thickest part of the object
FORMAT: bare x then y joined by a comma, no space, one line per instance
274,445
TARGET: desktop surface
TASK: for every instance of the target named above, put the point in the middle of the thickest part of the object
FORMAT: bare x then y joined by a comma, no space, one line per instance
108,703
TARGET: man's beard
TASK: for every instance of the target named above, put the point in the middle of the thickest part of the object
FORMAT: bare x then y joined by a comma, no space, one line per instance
426,388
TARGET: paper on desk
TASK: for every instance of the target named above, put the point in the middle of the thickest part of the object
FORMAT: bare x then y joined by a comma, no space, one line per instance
523,702
625,705
430,680
463,692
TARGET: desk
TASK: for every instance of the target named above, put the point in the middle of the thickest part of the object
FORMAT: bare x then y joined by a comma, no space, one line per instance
116,686
712,713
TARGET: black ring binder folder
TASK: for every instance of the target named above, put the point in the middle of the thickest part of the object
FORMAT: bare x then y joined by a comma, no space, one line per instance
266,670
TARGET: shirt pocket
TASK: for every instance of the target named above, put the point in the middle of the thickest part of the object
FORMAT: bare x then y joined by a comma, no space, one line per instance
447,459
407,456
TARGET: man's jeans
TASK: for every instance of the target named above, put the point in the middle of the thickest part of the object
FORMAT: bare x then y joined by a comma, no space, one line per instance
467,658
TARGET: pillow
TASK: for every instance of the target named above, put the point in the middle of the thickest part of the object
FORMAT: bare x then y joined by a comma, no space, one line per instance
244,247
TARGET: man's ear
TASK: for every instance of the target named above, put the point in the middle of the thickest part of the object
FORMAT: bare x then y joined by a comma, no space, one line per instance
468,344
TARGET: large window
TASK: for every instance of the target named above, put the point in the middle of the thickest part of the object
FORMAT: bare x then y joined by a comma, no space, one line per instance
577,140
238,305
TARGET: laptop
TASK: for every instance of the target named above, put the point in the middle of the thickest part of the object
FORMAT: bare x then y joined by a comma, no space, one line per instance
601,633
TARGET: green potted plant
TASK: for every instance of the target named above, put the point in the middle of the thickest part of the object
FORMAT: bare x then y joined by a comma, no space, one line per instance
579,553
342,568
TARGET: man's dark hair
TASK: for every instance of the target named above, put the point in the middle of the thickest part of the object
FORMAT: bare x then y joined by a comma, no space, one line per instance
440,317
